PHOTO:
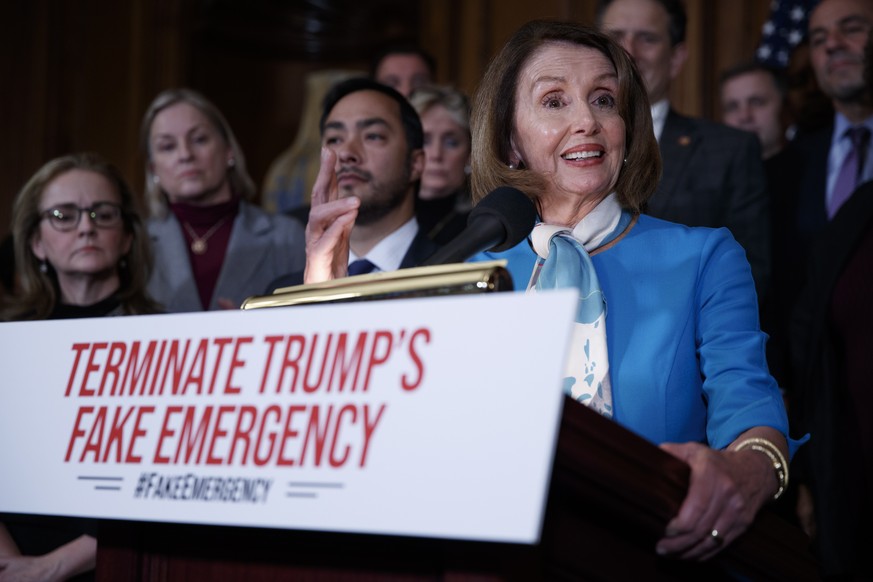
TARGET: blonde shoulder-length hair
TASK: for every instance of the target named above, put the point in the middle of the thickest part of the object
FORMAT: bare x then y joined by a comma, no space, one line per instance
494,105
241,183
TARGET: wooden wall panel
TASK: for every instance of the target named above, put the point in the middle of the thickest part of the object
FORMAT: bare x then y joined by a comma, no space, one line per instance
737,29
79,74
465,35
25,118
720,34
685,90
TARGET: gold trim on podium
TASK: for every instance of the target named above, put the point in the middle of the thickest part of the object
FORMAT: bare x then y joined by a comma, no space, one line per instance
436,280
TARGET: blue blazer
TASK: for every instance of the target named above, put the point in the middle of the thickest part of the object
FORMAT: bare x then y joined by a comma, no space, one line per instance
262,246
686,352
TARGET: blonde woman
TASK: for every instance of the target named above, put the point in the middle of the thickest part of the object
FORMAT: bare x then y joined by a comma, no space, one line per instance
443,202
213,246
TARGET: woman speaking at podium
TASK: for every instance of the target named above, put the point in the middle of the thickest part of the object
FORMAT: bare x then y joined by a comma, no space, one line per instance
666,340
678,357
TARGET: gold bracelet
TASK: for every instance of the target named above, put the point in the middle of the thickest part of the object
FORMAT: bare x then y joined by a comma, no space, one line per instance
774,454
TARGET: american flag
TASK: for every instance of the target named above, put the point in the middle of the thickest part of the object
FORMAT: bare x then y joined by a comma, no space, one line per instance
783,31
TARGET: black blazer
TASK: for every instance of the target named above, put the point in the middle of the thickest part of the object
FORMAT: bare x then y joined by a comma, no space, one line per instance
419,250
808,184
797,180
818,402
713,176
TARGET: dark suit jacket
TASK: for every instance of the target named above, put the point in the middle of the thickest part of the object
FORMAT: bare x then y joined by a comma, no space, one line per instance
831,462
420,249
808,184
797,179
713,176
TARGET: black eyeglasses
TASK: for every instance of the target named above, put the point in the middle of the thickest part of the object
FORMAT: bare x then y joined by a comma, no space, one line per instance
66,217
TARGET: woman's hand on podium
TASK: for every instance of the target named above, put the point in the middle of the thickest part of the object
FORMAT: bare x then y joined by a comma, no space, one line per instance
726,490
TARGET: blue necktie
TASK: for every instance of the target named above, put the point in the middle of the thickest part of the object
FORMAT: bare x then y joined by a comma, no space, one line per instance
361,267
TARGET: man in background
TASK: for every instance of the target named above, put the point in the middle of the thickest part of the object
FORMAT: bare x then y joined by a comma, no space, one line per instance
372,161
831,397
822,167
753,99
838,32
712,174
404,67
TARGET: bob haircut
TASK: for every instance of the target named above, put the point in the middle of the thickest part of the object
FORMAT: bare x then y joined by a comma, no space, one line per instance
39,290
452,100
494,115
241,183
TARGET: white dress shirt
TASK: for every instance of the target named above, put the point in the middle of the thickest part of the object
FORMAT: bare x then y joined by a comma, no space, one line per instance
389,252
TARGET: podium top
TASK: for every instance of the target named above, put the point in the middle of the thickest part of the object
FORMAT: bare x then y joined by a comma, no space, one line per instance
452,279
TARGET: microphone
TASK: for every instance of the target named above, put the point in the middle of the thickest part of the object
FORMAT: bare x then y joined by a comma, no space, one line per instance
501,220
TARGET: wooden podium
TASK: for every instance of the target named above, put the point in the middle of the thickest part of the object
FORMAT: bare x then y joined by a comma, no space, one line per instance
612,493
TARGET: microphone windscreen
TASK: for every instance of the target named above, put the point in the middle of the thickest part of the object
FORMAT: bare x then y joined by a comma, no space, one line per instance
514,210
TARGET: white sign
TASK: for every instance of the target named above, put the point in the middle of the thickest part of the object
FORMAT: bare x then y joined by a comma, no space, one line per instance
422,417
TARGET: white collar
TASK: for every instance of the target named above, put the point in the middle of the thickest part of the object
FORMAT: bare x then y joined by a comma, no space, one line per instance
659,116
389,252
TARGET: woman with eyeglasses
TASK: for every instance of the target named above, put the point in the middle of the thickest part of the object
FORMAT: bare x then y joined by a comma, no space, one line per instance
81,249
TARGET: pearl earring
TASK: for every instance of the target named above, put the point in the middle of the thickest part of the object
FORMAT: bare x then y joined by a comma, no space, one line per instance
512,166
231,163
43,267
155,179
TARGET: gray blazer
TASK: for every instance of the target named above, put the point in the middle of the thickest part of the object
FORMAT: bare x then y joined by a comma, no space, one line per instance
262,246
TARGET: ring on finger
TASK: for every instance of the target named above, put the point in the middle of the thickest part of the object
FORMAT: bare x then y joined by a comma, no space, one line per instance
716,537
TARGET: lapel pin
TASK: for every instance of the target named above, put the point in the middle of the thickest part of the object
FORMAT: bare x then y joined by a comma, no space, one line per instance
684,140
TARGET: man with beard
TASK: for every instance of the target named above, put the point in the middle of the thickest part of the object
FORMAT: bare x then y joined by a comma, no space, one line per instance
838,31
712,174
363,202
831,398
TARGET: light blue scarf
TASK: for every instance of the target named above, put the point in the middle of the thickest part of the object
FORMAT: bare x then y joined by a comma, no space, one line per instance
564,262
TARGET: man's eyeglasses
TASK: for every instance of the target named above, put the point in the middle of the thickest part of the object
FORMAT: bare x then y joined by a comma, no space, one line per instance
66,217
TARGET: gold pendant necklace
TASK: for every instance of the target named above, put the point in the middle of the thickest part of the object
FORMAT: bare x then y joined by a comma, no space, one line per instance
198,243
